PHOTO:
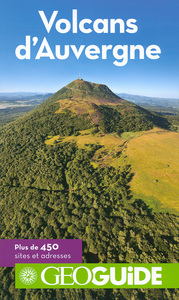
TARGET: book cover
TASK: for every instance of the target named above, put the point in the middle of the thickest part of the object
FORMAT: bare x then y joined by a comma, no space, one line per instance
89,136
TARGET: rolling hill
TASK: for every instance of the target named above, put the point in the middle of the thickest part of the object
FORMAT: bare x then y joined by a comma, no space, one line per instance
79,166
104,108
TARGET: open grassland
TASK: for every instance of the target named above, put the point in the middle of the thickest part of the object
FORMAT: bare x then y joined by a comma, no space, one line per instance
131,134
80,107
75,106
154,159
153,156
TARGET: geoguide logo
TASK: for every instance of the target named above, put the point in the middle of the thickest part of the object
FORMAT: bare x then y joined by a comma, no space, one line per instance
28,275
75,276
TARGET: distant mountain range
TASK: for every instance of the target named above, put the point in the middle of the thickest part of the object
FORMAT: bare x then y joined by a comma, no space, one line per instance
13,97
152,102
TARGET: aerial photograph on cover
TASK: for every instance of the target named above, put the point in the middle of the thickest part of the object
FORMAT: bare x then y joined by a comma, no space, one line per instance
89,134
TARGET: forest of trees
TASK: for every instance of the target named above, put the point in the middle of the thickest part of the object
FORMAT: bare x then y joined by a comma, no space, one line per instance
94,205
